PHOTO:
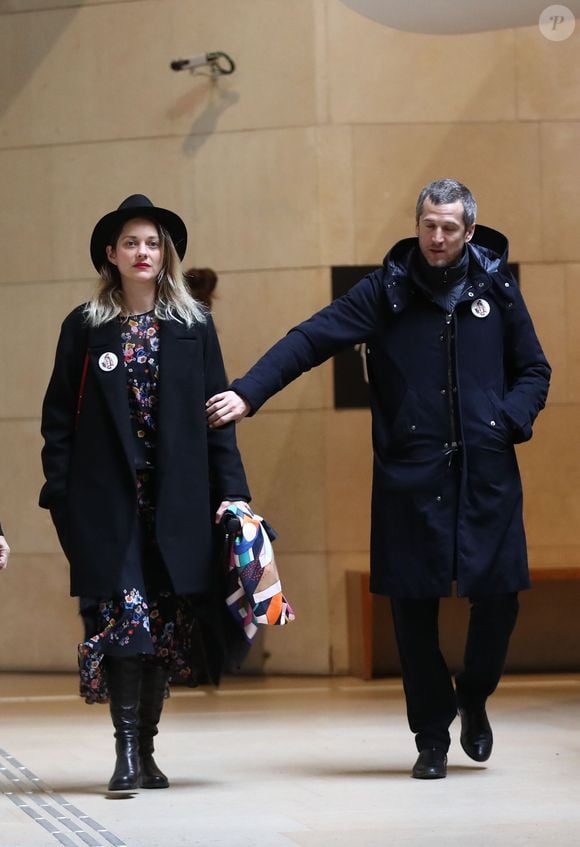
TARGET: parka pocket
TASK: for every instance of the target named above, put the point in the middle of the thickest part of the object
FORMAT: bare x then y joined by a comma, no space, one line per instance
496,422
406,424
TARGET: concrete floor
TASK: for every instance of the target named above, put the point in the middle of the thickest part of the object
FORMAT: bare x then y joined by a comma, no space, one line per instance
288,761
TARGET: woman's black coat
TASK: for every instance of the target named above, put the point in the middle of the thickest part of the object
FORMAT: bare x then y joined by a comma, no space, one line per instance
89,464
438,512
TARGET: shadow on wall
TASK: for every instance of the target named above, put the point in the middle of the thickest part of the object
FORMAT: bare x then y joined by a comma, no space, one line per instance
26,59
206,100
210,101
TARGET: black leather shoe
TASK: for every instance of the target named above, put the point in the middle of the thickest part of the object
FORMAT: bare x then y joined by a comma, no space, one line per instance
431,764
476,734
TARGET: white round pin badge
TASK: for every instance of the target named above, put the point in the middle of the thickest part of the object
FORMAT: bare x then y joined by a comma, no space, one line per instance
108,362
480,308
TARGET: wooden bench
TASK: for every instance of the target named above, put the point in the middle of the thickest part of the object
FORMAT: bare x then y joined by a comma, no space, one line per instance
546,638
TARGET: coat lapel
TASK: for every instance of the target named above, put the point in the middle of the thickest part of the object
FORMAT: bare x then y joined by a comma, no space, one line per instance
176,360
112,382
175,380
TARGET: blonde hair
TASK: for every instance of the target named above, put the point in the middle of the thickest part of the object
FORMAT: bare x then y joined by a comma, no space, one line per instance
172,298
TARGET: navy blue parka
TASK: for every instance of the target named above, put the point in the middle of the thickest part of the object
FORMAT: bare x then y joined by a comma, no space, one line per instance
451,394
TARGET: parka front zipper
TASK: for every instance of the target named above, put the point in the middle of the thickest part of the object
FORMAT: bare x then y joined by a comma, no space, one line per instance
449,325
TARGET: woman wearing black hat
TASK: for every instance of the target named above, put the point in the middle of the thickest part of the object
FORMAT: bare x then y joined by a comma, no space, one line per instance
134,478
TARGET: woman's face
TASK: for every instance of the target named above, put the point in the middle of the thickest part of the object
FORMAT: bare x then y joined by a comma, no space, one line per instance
138,253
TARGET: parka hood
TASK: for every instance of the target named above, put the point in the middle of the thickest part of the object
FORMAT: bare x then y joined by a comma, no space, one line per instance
488,247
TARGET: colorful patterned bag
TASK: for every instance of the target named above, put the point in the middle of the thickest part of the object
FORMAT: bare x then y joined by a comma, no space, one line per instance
254,592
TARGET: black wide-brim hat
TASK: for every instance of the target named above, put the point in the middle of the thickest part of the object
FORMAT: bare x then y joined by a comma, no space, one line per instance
135,206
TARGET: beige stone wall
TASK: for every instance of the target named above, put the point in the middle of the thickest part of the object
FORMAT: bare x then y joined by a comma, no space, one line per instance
310,155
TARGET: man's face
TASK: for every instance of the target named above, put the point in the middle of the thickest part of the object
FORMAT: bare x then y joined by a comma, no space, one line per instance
442,233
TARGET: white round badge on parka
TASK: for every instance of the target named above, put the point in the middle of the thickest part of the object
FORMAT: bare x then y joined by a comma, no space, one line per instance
108,361
480,308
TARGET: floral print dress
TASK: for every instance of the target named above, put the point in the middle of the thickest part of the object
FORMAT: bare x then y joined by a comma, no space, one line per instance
148,619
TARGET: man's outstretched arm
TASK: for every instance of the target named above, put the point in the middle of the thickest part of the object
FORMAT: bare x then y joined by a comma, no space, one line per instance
349,320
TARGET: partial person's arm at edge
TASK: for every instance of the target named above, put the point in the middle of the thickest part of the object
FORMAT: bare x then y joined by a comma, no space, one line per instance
4,551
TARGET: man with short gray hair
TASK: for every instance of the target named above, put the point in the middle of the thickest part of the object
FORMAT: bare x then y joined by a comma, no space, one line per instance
457,377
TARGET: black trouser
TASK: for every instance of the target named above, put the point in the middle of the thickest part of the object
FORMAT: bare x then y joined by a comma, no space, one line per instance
431,698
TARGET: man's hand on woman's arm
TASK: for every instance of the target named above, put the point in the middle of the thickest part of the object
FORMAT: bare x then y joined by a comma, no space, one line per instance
225,407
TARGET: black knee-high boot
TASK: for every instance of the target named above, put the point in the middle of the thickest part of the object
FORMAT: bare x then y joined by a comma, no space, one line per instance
124,683
153,685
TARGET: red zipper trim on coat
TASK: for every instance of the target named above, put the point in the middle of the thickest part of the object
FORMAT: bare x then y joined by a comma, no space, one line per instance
82,389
